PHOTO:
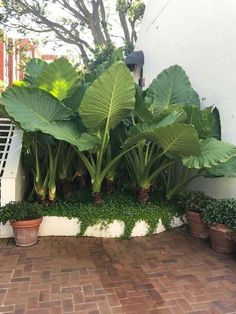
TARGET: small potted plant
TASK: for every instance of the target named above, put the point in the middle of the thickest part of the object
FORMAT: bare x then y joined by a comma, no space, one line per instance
25,219
220,215
194,204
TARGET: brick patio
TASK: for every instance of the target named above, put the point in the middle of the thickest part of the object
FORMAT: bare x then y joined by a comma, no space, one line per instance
166,273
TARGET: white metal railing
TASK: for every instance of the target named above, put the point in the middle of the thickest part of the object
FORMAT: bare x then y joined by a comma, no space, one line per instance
6,133
12,180
11,173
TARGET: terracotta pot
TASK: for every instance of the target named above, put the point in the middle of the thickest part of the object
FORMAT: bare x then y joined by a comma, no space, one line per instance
198,228
221,239
26,231
233,237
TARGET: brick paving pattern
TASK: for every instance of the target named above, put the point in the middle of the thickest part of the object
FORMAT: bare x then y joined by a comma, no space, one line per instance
166,273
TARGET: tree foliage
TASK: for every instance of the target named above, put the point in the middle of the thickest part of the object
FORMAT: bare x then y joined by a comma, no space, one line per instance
85,24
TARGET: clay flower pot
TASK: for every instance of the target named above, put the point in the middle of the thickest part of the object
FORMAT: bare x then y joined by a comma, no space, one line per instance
233,236
26,231
198,228
221,239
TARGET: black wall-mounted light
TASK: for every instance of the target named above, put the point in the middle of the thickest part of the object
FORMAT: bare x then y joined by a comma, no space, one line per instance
136,58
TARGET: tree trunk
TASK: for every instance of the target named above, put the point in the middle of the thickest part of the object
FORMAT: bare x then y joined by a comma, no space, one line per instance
143,195
40,199
67,188
84,55
97,199
52,194
110,186
95,25
40,193
82,181
133,33
103,21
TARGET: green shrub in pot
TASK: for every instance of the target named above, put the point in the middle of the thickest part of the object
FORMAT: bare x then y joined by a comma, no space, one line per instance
194,204
19,211
25,219
195,201
220,215
221,211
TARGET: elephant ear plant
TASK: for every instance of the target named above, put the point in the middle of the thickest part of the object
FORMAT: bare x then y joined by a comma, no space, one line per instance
106,102
171,129
44,104
162,127
45,108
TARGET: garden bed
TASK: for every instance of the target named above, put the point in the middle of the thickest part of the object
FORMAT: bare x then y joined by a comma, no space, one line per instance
120,216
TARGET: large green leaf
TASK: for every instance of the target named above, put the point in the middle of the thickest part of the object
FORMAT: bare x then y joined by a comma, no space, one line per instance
226,169
216,127
141,108
172,86
75,100
213,152
193,99
202,120
69,132
59,78
24,83
33,69
32,107
36,110
109,99
180,139
173,116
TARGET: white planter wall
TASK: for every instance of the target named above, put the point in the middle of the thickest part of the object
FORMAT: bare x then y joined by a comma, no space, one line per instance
6,231
62,226
200,36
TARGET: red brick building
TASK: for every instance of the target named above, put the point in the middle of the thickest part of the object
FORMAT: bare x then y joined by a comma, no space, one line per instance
49,57
12,54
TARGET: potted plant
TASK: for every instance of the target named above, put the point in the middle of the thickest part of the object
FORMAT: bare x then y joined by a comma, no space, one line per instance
220,215
25,219
194,204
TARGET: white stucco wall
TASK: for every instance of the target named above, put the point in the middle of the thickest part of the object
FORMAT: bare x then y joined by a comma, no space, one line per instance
63,226
199,35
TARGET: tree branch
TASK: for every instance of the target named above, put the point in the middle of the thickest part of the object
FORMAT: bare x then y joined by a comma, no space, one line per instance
75,13
125,27
84,55
83,18
133,32
57,28
95,26
80,4
103,21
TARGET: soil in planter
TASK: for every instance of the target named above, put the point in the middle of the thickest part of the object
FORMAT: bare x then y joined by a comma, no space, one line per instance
221,239
198,228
